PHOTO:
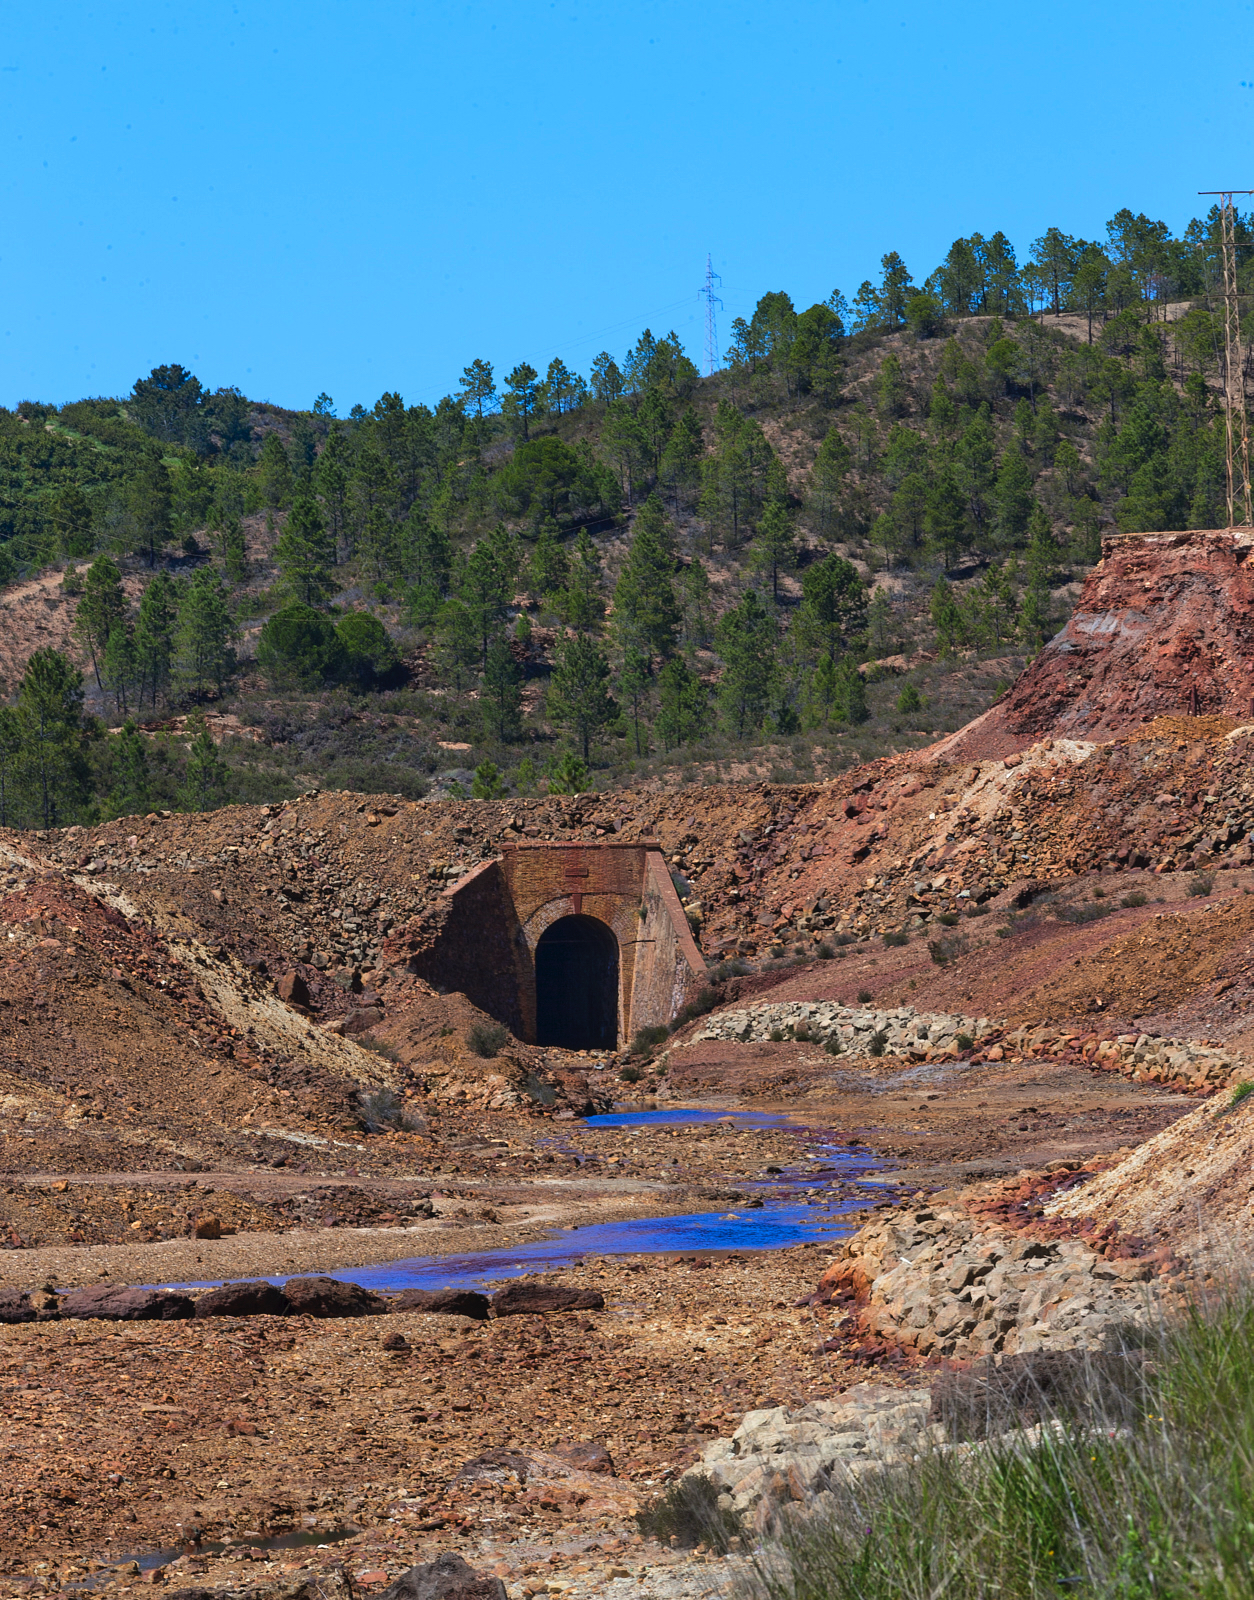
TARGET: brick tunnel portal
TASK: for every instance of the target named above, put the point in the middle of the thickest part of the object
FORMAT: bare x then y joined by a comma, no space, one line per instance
575,945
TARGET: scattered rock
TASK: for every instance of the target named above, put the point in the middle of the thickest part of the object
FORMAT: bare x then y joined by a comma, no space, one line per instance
328,1297
527,1299
15,1306
444,1302
120,1304
448,1577
394,1341
207,1227
253,1299
293,988
587,1456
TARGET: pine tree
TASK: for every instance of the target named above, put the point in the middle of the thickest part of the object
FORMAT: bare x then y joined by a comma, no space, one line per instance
945,516
305,553
696,605
488,783
206,775
101,605
276,473
879,619
148,498
235,551
827,479
646,612
833,605
774,547
550,565
1013,495
581,605
203,636
579,696
746,640
131,790
684,704
892,391
635,681
520,401
946,618
121,667
154,637
456,644
49,712
10,758
502,691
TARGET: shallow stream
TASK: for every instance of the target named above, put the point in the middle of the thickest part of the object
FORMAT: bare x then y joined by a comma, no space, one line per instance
769,1220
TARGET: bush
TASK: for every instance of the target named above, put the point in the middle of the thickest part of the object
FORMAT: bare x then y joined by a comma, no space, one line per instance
964,1041
878,1044
689,1513
910,700
300,647
722,970
379,1109
896,939
1138,897
1201,883
486,1039
825,951
948,919
865,997
777,1036
1099,893
1082,914
630,1074
648,1039
943,951
370,655
833,1046
700,1007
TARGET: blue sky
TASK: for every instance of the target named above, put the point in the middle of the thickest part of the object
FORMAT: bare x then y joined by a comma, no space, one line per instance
299,197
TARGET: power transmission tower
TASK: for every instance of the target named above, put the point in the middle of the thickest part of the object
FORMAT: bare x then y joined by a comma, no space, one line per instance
1238,431
711,327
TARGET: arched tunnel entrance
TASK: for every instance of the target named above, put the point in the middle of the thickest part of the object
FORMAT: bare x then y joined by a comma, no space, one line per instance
577,985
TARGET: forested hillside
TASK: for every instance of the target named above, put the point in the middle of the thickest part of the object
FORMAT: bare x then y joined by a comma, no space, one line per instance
848,538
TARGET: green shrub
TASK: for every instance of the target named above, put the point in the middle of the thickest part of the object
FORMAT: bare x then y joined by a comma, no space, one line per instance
630,1074
878,1044
1201,883
895,939
1138,897
948,919
825,951
370,655
865,997
833,1045
300,647
486,1039
648,1039
689,1513
777,1036
964,1041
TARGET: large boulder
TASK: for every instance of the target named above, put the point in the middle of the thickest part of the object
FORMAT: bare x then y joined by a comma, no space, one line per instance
253,1299
120,1304
446,1578
586,1456
328,1297
526,1299
443,1302
293,988
15,1306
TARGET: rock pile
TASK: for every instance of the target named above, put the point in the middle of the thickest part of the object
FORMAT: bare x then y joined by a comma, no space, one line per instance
935,1282
1144,1057
849,1030
778,1455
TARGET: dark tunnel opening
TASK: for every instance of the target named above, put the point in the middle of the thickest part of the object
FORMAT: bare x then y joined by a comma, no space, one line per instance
577,985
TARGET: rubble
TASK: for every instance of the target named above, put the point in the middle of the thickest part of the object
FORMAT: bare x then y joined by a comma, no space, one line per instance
847,1030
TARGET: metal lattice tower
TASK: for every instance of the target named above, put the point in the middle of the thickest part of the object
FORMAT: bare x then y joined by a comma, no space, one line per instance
1237,423
711,327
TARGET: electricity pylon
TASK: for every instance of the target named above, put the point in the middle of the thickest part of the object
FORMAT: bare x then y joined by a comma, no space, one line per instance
1238,430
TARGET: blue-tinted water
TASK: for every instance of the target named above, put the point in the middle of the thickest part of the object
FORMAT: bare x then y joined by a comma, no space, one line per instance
773,1225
